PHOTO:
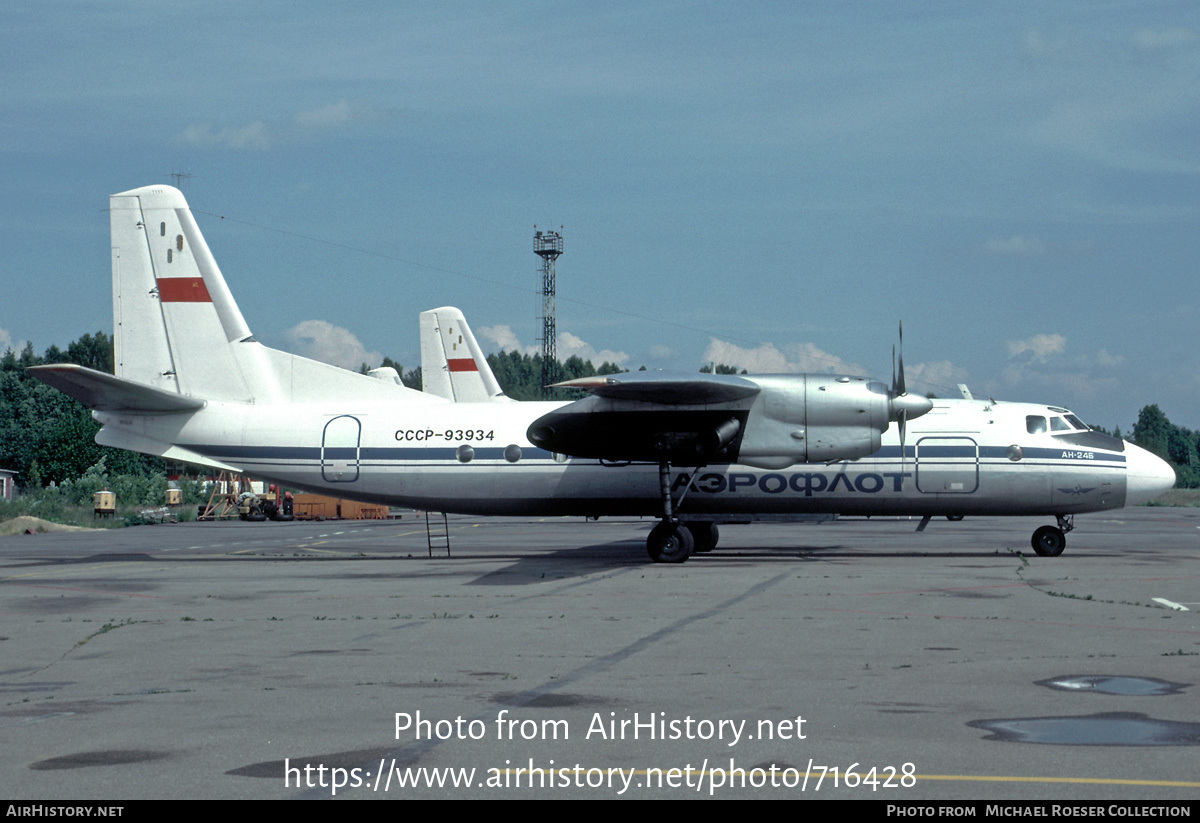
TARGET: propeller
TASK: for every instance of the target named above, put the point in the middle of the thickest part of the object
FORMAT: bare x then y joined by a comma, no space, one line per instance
904,406
899,390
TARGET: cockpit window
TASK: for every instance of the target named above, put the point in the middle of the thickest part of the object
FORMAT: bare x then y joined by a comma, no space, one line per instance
1077,423
1035,424
1057,424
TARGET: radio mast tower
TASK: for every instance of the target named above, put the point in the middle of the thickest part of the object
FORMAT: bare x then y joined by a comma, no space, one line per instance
548,245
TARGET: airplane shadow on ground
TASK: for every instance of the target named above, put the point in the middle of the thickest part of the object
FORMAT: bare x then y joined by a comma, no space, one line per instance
628,555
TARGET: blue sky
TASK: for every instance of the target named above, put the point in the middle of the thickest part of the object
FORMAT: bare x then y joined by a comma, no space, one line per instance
774,185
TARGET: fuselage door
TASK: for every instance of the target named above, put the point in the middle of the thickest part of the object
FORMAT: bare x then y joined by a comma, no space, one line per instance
947,465
339,449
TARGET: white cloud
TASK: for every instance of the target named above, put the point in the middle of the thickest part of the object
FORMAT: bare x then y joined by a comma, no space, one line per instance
1017,246
1083,385
319,340
1061,384
768,358
1038,43
258,135
251,136
325,117
1162,38
505,339
570,345
1106,359
6,343
567,345
796,358
940,377
1040,346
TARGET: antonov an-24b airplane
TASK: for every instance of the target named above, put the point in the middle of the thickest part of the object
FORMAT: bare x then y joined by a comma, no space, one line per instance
695,450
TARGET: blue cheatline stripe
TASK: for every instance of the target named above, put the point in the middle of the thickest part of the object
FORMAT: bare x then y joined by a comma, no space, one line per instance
441,453
447,456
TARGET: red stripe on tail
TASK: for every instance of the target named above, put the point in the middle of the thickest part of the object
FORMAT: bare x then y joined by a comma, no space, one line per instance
183,290
461,364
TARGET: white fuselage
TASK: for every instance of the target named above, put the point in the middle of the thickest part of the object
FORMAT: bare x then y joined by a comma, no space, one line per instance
965,457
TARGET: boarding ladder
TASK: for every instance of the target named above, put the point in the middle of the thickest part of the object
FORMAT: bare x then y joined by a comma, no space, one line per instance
437,532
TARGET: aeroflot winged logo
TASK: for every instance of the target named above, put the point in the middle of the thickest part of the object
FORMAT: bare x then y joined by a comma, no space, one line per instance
1077,490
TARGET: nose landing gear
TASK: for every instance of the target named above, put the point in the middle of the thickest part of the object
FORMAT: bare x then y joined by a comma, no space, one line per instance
1049,541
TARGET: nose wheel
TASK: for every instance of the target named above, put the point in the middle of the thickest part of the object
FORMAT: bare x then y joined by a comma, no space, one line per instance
1049,541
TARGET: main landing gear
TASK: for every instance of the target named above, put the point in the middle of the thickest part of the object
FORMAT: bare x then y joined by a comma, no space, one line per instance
676,542
672,541
1049,541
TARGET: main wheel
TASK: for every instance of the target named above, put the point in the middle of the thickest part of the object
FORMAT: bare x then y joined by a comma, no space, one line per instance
669,543
704,536
1049,541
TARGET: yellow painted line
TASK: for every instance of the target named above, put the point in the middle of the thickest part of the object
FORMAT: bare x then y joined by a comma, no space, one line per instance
862,771
70,570
1098,781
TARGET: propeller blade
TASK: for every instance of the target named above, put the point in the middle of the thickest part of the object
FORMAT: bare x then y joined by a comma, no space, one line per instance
901,405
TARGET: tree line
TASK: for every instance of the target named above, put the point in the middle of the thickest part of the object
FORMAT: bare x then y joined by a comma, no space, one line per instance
47,437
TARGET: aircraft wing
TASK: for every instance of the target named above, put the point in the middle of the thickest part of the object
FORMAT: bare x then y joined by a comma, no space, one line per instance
665,387
650,416
104,392
769,421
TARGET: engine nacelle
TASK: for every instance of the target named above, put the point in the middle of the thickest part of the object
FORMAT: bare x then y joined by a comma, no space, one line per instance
814,418
769,421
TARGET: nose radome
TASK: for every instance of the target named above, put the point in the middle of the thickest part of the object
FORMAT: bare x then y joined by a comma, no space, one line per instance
1146,475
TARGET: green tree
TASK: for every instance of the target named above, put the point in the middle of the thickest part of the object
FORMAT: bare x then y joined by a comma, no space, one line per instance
1178,446
45,435
1152,430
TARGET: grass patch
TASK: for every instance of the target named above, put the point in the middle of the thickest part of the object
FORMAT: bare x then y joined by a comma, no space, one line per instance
1177,497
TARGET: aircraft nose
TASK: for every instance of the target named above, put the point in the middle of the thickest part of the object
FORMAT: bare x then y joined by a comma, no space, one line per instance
1146,475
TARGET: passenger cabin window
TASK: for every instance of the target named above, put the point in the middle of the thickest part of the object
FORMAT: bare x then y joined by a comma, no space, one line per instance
1035,424
1057,424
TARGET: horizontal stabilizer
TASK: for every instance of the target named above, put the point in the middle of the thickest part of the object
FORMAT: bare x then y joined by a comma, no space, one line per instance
104,392
666,388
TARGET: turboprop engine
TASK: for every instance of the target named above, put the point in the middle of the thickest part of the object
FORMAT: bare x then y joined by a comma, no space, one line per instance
815,418
770,421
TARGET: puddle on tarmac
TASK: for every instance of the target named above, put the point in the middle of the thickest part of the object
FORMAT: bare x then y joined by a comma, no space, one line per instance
1112,729
1132,686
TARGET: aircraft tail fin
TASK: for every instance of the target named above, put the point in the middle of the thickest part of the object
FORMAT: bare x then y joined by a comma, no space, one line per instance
177,328
173,315
452,364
